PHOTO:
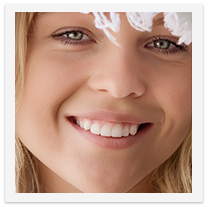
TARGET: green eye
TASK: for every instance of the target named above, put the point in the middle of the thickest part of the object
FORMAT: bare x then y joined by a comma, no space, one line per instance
74,35
162,44
165,45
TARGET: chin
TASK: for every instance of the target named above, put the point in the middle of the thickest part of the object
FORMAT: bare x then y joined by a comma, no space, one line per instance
106,185
102,188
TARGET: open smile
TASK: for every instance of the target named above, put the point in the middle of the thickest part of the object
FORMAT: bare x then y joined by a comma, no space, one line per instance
108,134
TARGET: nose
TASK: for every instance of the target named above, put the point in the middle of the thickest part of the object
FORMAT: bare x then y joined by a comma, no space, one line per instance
118,74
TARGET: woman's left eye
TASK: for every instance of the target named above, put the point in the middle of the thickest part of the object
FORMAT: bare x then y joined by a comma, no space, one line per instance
165,46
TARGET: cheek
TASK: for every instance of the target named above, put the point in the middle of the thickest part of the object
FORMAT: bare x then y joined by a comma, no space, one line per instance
51,80
173,93
171,86
48,82
176,96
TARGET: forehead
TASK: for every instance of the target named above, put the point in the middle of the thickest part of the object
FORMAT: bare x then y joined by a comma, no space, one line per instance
157,20
180,24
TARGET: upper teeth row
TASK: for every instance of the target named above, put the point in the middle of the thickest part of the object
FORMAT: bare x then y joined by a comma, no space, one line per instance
106,130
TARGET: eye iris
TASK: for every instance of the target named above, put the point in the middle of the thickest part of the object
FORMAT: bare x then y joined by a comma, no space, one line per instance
75,35
162,44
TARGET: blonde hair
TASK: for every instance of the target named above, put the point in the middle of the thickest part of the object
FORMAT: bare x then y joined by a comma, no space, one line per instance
26,171
172,176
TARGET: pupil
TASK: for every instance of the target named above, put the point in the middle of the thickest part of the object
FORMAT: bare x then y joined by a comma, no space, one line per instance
75,35
163,44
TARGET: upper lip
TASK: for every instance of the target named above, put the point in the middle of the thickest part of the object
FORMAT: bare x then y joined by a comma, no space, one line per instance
112,117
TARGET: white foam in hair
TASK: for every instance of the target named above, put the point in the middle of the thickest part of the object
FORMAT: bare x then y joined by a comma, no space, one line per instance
180,24
101,22
141,21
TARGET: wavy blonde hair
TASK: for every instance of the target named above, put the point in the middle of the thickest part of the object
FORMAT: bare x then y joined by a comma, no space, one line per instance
26,171
172,176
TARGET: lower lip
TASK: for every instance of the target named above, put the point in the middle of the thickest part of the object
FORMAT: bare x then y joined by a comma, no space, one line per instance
111,142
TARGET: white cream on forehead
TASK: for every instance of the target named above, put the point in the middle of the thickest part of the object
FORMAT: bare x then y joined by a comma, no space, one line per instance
179,23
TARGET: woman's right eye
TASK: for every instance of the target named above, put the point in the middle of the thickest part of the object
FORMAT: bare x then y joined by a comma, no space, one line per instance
76,35
73,37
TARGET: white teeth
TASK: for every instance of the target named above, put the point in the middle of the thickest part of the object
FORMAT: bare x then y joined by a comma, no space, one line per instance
81,124
133,129
106,130
126,131
95,128
117,131
78,122
87,125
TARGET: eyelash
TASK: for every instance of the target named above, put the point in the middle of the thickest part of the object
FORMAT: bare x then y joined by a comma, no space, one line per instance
66,41
175,47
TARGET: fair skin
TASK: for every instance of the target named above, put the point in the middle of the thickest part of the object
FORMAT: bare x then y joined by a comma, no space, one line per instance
136,83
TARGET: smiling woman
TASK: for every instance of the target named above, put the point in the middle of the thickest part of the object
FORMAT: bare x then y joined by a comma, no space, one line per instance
103,102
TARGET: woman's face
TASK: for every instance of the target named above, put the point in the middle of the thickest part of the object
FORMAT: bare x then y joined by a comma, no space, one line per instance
135,99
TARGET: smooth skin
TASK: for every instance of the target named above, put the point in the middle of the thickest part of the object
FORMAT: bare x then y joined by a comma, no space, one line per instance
136,79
